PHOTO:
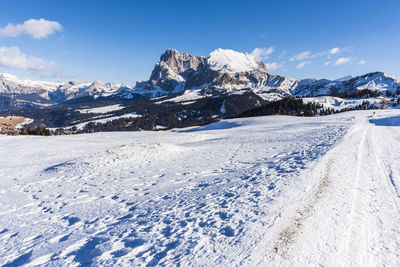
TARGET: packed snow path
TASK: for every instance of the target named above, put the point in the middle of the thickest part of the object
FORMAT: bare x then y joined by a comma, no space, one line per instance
270,190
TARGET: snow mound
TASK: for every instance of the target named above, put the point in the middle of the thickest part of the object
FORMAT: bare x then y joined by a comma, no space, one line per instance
232,61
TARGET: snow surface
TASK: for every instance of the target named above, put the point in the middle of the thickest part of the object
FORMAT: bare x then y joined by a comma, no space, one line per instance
105,120
187,97
232,61
337,103
102,110
272,190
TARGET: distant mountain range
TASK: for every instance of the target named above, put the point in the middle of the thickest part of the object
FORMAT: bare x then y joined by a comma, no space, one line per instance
223,72
181,79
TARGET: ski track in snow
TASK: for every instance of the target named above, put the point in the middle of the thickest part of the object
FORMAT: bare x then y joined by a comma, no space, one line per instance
270,190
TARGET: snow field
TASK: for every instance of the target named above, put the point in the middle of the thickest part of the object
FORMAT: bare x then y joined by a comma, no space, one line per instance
269,190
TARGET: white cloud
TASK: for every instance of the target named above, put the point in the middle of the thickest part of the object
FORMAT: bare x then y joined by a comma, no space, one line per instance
12,57
302,64
362,61
307,54
37,28
301,56
272,66
341,61
327,63
262,53
57,75
334,50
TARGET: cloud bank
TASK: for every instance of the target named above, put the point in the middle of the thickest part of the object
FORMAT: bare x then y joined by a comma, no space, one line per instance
341,61
272,66
301,56
262,53
12,57
36,28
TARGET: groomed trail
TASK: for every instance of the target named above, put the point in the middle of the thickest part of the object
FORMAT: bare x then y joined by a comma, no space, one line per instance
352,218
275,190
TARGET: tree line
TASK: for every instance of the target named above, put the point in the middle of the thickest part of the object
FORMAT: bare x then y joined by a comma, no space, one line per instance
42,131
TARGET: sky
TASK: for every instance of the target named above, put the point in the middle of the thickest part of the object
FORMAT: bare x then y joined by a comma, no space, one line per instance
120,41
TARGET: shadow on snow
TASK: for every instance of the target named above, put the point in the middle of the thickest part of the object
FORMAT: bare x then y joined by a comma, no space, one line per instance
389,121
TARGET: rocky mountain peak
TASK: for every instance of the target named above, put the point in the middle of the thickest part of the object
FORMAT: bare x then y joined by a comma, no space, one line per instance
222,69
174,63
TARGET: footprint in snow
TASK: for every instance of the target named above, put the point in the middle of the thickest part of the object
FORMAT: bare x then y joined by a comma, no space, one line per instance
71,220
227,231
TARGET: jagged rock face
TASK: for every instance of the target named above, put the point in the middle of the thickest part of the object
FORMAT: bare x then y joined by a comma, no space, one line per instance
171,73
223,69
181,64
226,71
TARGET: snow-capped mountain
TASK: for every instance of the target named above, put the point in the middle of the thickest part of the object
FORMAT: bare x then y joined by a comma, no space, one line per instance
72,90
56,92
231,61
375,81
10,84
171,73
224,72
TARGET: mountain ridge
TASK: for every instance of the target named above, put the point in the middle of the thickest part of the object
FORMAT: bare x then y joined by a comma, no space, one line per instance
223,72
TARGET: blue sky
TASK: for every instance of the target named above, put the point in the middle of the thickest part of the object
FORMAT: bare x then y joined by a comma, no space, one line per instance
120,41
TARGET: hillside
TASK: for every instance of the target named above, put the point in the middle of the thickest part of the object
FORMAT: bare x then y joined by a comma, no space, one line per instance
185,90
275,190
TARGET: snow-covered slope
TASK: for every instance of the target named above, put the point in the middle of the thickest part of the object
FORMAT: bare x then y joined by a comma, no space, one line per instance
276,190
338,104
232,61
376,81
